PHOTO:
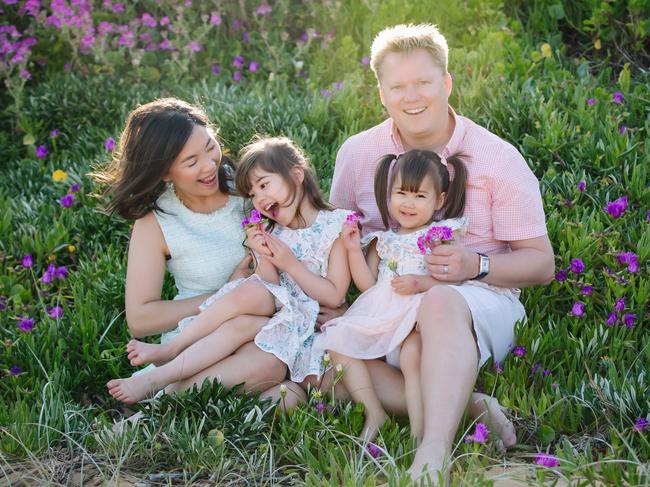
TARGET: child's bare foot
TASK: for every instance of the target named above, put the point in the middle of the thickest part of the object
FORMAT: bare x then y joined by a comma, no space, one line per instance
134,389
140,353
372,425
488,410
427,466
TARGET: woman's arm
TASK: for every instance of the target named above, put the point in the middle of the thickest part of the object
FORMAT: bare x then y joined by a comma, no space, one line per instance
328,291
146,313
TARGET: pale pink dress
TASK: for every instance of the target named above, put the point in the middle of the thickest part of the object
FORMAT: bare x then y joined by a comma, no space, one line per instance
380,319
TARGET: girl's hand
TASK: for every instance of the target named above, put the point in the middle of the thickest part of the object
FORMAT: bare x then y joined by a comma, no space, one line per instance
280,255
351,236
256,240
411,284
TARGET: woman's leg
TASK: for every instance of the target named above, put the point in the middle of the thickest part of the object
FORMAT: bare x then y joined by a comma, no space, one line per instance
356,380
288,395
409,362
249,298
209,350
449,367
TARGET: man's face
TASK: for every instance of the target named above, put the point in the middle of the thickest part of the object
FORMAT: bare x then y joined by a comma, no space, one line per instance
415,92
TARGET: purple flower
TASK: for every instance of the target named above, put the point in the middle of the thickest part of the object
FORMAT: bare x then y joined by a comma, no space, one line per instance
519,351
3,303
620,304
245,37
215,69
629,319
60,272
253,66
320,407
263,9
24,73
109,144
236,76
54,133
118,7
238,61
630,259
352,218
546,460
498,368
647,216
48,275
27,261
617,97
74,188
622,129
41,151
215,18
26,324
373,450
480,434
256,216
325,93
55,312
365,61
577,266
164,20
67,201
611,319
561,275
148,20
578,309
581,186
166,45
617,207
236,24
591,102
14,370
641,424
194,46
587,290
338,85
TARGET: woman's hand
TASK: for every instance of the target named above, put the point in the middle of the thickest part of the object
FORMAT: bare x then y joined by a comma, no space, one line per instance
243,269
256,240
280,255
351,236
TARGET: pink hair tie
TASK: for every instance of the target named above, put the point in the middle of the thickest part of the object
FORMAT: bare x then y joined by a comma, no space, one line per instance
443,161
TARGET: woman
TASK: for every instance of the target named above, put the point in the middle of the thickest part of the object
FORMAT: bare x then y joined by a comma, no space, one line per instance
171,178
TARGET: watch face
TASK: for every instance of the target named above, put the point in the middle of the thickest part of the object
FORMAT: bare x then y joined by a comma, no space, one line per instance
484,264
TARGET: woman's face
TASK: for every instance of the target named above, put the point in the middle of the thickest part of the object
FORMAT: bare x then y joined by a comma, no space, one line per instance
194,172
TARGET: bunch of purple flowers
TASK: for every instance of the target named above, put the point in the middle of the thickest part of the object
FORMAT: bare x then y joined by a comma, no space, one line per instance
434,237
352,218
254,220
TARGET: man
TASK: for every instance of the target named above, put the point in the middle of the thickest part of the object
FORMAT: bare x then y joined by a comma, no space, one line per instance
506,246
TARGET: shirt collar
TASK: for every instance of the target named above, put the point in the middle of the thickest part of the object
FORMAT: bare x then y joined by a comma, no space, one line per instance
395,138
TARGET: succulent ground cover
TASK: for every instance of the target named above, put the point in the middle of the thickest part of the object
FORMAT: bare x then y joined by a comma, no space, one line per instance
567,84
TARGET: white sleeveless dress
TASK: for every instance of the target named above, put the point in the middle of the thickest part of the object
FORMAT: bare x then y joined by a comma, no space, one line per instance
205,248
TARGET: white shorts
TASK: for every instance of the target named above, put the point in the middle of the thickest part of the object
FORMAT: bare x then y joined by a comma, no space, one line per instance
494,316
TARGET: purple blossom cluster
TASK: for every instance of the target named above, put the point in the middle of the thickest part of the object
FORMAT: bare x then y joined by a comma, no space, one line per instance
617,207
254,220
627,319
433,237
480,435
547,460
352,218
53,272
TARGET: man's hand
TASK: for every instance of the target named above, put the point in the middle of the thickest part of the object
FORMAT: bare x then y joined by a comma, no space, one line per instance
325,314
452,263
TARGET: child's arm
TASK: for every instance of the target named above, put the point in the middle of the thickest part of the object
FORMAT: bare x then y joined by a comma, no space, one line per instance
328,291
364,269
413,283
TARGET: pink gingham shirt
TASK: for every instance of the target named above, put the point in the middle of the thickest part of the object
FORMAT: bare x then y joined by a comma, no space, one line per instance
503,201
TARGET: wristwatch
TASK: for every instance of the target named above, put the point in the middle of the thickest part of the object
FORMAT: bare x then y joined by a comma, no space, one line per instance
483,266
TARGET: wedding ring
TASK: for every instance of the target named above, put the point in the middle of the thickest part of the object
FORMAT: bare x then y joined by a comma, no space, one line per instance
445,269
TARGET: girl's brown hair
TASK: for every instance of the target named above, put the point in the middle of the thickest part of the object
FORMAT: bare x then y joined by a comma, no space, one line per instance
412,167
279,155
154,136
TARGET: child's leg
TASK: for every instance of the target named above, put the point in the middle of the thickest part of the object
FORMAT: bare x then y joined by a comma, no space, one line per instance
409,361
292,397
357,381
209,350
250,298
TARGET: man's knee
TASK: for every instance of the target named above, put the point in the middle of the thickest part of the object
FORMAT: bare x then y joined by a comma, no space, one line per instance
440,306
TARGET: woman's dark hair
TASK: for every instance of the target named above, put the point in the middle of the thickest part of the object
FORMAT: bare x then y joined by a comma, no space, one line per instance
154,136
279,155
412,167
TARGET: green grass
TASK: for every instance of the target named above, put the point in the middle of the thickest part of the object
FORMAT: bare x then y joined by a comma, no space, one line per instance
54,415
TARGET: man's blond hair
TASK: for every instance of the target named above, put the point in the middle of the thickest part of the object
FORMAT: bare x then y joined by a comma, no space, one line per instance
406,38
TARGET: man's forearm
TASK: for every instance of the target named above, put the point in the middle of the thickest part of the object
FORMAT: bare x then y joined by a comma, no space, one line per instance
520,268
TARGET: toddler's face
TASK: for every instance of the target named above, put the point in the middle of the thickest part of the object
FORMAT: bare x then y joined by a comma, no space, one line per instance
272,196
413,210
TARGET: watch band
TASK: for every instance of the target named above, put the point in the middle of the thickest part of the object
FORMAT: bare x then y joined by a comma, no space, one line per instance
483,266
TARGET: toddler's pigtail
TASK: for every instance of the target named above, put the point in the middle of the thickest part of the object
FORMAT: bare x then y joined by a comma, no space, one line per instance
454,205
381,186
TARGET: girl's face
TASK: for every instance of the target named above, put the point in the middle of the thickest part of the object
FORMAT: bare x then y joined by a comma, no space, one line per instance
413,210
194,172
272,195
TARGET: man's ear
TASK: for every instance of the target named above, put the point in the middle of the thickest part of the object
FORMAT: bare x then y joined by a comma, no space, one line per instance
381,94
449,84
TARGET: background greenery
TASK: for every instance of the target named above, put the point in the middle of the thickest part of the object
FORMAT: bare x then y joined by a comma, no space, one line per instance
566,83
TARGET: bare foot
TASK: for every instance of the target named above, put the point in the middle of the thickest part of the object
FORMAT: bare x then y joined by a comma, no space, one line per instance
140,353
487,409
134,389
427,466
371,427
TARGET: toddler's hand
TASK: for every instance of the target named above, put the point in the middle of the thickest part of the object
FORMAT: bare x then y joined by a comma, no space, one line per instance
351,236
256,240
407,284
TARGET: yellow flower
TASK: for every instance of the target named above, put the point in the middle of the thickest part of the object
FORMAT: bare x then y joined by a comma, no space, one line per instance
51,257
546,50
59,175
316,394
72,249
326,359
283,390
597,44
